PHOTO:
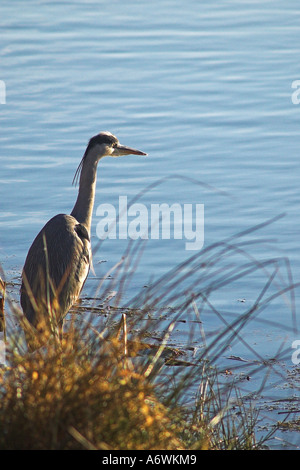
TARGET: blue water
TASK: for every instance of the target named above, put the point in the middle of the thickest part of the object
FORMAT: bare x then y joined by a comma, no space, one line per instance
205,88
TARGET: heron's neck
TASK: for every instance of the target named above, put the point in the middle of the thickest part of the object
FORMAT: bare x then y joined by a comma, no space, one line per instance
84,205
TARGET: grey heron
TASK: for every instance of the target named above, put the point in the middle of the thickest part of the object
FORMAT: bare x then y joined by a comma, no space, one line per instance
58,261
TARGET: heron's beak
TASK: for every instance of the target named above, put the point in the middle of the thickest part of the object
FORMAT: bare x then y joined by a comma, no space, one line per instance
120,150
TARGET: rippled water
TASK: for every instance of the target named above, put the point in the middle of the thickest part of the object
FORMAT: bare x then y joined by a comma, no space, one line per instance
205,88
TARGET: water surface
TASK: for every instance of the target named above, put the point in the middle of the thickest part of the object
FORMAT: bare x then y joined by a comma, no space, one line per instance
204,88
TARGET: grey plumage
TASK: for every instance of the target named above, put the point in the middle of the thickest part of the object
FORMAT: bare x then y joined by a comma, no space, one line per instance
59,258
56,267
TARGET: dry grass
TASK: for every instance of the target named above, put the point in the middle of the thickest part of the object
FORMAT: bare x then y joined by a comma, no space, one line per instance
83,393
106,385
2,300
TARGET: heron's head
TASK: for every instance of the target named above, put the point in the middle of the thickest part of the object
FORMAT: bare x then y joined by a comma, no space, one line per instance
102,145
106,144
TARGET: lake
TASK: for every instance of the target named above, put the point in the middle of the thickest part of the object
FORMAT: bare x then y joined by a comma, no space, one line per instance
209,90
